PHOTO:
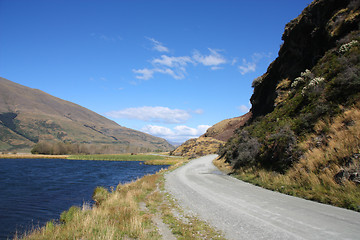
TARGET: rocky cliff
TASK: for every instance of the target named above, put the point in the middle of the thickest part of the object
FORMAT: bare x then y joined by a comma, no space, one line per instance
303,138
306,39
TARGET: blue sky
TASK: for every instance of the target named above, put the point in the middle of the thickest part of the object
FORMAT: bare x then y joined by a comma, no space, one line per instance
169,68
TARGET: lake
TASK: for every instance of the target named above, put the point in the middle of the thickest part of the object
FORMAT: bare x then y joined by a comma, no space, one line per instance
34,191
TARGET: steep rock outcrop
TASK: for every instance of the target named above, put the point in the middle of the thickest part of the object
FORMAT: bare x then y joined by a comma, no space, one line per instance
306,39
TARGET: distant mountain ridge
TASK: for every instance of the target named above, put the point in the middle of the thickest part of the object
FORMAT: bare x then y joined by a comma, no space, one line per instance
28,116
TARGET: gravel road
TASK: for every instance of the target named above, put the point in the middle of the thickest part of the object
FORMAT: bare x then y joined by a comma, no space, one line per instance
244,211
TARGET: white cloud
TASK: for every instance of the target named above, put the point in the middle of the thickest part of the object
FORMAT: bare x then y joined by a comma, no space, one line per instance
199,111
179,133
179,74
152,114
247,67
250,66
145,73
172,61
157,46
173,66
213,59
244,108
158,131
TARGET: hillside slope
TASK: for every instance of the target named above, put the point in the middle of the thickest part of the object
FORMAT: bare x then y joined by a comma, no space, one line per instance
213,139
29,116
303,138
302,135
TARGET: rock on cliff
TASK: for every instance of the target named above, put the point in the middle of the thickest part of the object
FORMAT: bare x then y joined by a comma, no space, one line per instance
306,39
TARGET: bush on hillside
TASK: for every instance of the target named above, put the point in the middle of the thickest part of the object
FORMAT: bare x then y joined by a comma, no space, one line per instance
280,150
243,150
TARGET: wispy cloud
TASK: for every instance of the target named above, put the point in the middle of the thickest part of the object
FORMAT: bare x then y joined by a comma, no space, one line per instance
106,37
144,74
176,66
179,133
199,111
247,67
157,46
213,59
244,109
250,66
172,61
152,114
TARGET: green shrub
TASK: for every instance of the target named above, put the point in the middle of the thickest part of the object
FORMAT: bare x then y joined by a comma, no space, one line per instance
100,195
243,151
68,215
280,150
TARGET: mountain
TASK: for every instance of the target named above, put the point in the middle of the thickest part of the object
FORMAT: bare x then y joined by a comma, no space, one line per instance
303,136
315,79
29,116
213,139
225,129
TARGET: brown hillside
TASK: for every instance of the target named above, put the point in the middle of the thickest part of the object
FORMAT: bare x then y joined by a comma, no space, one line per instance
28,116
198,147
225,129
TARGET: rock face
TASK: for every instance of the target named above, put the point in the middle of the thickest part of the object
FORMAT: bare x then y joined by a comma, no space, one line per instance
306,38
281,114
314,80
28,116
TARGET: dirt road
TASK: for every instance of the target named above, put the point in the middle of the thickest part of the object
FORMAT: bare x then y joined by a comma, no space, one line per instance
244,211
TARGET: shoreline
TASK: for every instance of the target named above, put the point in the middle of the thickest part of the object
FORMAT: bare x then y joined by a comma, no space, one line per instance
147,159
144,210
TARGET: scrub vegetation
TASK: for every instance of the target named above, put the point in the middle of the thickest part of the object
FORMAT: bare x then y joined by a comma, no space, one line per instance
309,145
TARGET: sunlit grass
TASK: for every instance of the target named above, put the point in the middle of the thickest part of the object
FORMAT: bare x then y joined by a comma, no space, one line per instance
118,214
313,177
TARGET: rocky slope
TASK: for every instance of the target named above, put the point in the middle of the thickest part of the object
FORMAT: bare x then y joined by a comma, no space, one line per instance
306,39
303,137
314,78
29,116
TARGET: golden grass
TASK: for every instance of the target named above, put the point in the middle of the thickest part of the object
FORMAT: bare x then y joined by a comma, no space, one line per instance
198,147
313,176
119,215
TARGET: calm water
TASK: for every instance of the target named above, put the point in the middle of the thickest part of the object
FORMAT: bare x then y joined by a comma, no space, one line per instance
34,191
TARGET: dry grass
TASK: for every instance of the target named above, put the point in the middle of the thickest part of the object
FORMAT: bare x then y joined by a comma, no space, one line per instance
313,177
198,147
32,156
118,215
222,165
